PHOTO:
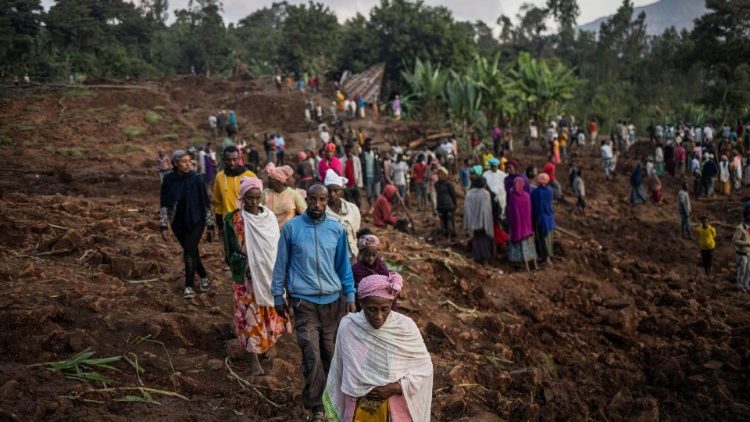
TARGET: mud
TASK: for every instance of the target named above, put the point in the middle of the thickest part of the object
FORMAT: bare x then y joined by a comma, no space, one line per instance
621,327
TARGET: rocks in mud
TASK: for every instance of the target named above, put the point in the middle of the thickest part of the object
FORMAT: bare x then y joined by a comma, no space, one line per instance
72,240
214,364
462,374
122,267
626,318
10,391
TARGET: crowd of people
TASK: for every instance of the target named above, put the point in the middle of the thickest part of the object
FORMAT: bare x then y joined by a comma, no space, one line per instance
301,260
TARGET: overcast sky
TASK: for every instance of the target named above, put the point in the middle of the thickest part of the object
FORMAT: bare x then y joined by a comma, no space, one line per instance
486,10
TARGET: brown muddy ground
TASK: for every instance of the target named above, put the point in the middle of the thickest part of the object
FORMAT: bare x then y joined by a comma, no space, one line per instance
621,327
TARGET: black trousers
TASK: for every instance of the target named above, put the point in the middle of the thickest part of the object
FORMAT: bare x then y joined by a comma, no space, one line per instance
448,221
189,237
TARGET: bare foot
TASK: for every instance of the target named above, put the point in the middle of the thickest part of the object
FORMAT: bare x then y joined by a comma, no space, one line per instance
255,367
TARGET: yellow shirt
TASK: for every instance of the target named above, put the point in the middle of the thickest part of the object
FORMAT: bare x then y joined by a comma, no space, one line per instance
226,192
706,237
503,161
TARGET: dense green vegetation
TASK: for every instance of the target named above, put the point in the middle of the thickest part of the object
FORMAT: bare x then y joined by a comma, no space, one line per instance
534,68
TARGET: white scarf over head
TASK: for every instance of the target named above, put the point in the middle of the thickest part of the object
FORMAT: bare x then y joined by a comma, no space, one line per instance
261,243
366,358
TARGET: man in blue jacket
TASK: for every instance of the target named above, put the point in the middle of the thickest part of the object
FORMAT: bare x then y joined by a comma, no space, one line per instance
312,265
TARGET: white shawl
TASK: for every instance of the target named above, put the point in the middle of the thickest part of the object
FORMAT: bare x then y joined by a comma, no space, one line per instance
261,243
351,219
366,358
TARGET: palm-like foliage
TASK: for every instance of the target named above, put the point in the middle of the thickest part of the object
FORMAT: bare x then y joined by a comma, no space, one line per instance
542,86
498,90
465,103
425,86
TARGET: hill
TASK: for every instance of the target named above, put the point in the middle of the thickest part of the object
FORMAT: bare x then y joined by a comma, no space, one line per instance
661,15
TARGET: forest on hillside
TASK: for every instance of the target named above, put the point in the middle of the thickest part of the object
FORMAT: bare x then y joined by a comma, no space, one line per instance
621,73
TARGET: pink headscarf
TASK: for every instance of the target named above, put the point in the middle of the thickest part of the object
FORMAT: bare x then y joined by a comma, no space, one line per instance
380,286
247,183
301,156
542,179
281,173
367,241
518,184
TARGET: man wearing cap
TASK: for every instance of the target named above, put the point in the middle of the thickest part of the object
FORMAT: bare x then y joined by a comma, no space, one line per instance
312,266
226,189
342,210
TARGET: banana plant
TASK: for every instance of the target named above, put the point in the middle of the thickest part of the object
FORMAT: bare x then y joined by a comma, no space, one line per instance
465,105
425,87
498,91
543,87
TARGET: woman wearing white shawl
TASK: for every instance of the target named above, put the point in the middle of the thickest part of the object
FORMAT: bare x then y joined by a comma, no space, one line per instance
478,218
381,370
251,236
345,212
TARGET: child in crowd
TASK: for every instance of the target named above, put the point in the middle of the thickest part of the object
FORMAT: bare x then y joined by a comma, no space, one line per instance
369,262
707,243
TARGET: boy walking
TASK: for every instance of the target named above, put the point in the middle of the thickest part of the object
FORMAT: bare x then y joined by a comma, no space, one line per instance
707,243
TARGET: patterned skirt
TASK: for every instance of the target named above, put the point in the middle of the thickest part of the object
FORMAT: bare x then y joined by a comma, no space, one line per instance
257,327
522,251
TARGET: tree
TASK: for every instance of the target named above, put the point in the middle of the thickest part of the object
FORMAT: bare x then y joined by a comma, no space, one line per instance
566,14
721,37
404,31
20,22
257,37
359,49
309,38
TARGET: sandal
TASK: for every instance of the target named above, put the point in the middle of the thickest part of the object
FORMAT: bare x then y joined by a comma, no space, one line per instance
319,417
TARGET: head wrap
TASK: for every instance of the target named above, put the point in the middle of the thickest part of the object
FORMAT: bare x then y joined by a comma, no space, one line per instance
302,156
477,170
177,155
443,170
518,184
378,285
332,178
542,179
280,174
513,163
389,191
494,162
330,147
247,183
368,240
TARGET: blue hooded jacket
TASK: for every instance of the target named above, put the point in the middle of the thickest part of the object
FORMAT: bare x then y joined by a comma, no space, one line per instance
312,262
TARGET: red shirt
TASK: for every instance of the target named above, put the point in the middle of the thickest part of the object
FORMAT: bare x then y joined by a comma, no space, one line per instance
549,168
592,126
417,172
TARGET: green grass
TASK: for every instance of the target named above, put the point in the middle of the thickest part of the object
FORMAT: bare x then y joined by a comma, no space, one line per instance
197,140
152,118
123,149
175,126
133,131
5,141
32,108
169,137
125,108
159,108
71,152
78,90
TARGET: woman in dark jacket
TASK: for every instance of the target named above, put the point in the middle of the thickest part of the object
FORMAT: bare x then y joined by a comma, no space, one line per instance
184,206
446,203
